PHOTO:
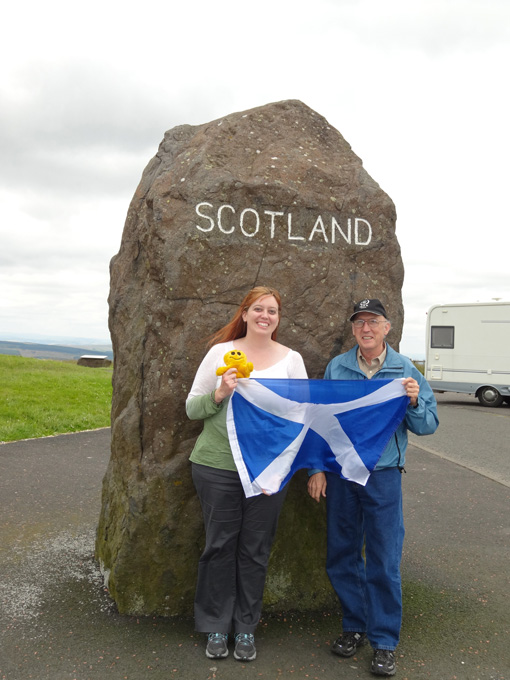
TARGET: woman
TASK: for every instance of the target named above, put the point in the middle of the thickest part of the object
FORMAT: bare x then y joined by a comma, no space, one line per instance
239,530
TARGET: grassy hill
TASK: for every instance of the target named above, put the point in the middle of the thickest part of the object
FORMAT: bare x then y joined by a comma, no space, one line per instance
41,398
36,350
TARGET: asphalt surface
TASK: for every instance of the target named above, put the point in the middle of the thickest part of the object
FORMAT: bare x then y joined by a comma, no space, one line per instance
57,622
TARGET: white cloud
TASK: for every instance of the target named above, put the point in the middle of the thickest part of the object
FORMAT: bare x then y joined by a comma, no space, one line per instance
434,27
417,87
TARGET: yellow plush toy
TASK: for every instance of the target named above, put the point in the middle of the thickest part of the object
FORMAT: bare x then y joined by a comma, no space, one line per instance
236,359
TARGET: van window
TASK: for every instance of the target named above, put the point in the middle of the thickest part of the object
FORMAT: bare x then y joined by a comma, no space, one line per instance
442,337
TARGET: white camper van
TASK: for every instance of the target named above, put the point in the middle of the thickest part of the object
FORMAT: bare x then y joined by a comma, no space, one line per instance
468,350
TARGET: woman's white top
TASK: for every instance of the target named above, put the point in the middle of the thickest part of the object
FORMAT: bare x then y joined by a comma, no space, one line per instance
212,447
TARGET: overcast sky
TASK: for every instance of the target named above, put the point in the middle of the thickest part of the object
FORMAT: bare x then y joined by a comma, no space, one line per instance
419,88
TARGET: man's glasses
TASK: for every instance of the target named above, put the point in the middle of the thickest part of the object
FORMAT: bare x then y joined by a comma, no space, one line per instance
359,323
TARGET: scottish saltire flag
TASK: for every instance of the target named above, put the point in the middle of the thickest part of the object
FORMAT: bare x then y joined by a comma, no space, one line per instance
278,426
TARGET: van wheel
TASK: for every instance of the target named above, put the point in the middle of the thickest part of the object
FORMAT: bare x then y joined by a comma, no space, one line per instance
489,396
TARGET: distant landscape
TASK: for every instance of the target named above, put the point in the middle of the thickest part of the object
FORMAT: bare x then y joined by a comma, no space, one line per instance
36,350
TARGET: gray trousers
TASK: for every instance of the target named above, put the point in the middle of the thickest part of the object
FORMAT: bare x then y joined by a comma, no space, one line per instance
239,532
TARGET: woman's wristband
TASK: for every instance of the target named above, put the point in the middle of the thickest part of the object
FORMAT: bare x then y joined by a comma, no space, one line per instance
213,399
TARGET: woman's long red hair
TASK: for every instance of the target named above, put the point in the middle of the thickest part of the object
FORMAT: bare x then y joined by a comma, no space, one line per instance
236,328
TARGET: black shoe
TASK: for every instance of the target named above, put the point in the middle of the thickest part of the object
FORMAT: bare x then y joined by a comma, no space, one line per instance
216,646
348,643
383,662
245,647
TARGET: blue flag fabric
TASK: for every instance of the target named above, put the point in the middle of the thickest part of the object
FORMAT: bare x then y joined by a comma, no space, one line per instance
278,426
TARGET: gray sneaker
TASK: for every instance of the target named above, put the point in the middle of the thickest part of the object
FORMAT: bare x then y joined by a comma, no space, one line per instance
347,644
245,647
383,662
216,646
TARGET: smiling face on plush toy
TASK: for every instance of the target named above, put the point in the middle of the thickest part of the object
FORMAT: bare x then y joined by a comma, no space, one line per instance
234,358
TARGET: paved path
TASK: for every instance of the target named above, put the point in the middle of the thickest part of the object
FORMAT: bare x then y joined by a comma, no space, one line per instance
472,436
57,623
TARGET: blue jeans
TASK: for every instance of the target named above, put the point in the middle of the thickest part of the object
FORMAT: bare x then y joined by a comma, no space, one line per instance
369,589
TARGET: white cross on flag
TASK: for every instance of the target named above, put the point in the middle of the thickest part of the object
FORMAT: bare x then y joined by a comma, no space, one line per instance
278,426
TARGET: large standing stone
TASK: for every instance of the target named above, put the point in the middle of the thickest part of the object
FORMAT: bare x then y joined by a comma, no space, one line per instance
270,196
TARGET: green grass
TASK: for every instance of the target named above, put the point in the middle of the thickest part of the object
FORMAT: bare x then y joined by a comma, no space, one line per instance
39,398
420,365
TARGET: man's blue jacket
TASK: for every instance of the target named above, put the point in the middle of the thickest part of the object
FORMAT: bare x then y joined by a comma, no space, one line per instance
421,419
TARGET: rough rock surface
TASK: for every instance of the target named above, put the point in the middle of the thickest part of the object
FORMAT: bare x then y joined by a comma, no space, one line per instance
273,196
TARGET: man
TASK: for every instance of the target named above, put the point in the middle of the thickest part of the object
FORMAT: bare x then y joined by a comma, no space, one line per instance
369,589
